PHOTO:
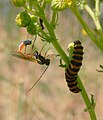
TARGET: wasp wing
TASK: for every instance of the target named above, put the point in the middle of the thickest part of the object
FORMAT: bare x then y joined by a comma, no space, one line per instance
24,56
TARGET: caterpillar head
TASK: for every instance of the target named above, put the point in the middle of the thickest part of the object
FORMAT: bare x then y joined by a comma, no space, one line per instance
70,47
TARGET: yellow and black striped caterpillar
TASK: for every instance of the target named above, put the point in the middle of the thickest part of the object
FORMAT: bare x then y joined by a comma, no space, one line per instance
72,70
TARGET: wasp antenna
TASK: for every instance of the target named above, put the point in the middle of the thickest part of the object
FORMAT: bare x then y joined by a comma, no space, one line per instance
38,79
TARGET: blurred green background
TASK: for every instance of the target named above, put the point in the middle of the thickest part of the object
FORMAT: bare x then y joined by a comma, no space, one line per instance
50,99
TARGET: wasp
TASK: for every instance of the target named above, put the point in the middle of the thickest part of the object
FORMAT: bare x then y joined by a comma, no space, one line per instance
35,57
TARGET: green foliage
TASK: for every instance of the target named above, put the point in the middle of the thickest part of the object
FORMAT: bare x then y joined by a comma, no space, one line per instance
19,3
93,104
36,10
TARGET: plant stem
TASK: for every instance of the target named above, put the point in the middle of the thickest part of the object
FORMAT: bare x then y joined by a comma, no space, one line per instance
52,34
59,49
86,100
94,16
86,28
97,7
83,92
54,18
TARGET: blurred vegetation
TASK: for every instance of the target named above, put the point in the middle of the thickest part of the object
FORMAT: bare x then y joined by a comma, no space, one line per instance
50,99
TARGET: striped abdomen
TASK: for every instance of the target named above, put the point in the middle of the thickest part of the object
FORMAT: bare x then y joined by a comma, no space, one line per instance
74,66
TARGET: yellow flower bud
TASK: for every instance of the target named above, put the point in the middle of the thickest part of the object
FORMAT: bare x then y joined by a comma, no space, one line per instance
60,4
23,19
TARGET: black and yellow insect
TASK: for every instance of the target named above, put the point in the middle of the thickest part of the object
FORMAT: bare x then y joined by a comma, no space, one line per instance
72,70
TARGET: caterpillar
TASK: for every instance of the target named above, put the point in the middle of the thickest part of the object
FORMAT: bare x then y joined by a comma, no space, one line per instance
73,68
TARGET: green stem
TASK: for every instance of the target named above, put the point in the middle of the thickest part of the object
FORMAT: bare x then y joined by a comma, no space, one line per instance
60,51
49,27
54,19
97,7
83,92
94,16
64,57
86,28
52,34
86,100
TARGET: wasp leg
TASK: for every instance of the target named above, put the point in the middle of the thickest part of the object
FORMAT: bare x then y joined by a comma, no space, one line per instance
33,43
